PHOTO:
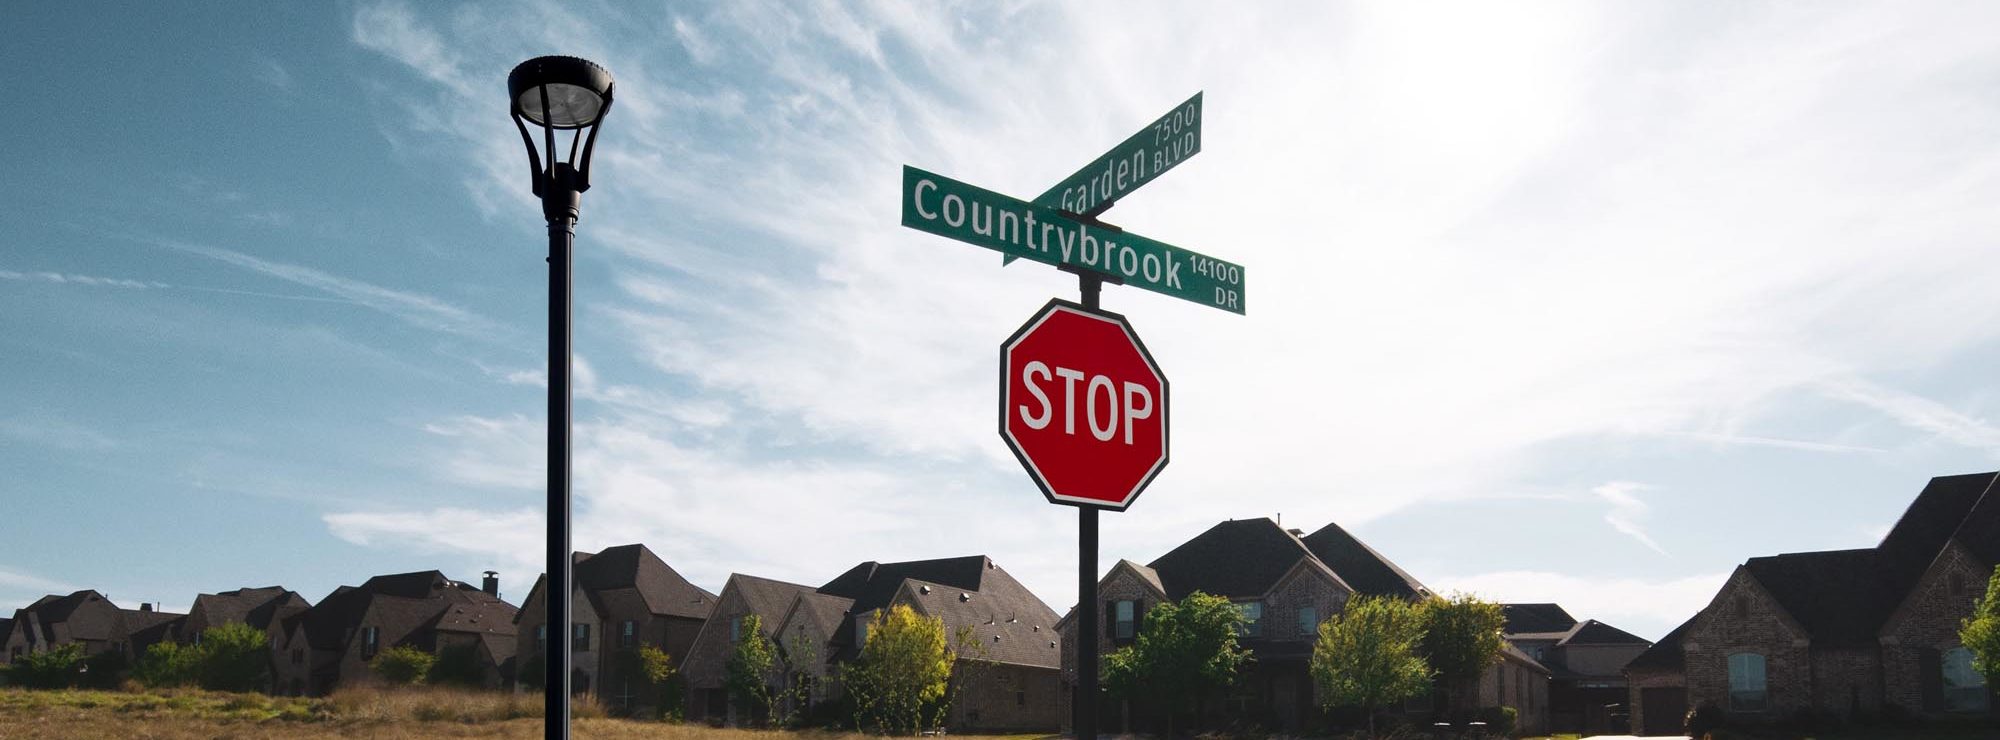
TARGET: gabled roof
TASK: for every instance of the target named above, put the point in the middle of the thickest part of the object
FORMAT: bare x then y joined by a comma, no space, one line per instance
635,567
51,610
1005,622
478,617
401,600
1593,632
257,607
767,598
1832,594
1538,619
872,585
1664,655
1360,565
1980,532
1239,558
827,610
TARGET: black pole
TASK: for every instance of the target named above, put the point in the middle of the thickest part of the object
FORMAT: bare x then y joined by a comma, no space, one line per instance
559,205
1085,719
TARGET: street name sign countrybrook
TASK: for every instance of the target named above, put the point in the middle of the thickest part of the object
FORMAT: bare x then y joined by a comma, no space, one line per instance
983,218
1083,405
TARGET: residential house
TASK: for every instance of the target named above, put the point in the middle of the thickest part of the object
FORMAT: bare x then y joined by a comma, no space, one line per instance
1283,590
704,672
331,643
1586,663
622,598
1845,633
263,609
1516,680
84,618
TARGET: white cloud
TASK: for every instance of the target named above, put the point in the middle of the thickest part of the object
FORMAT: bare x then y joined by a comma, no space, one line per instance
1921,414
416,308
1646,607
1471,235
514,538
1627,511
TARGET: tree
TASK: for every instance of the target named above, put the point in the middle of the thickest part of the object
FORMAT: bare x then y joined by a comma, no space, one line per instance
234,657
53,668
457,665
1980,633
656,667
747,675
1368,655
403,665
903,672
1184,651
800,658
168,664
1461,639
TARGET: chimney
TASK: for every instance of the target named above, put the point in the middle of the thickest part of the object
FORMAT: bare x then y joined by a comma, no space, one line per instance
145,606
491,584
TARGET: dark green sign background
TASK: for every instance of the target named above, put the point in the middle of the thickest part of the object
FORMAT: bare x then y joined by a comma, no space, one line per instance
981,217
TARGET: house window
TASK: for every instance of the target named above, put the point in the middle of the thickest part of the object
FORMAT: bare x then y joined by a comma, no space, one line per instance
735,629
1742,607
1957,581
1020,698
1308,620
1124,615
1746,682
579,637
370,641
628,633
1253,614
542,637
1964,688
860,632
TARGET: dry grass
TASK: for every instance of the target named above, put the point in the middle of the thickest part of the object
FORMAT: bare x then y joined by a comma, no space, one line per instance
354,713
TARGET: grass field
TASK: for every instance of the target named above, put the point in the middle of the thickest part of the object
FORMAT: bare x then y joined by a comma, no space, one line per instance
387,715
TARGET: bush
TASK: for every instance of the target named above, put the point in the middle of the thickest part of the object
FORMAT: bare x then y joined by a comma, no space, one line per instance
1500,721
1703,720
234,657
54,668
168,664
405,666
103,671
458,665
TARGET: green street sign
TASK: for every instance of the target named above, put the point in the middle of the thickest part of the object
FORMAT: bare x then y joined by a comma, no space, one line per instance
1168,141
1134,162
983,218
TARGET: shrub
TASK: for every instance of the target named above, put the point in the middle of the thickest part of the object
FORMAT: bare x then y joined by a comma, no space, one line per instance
403,665
103,671
168,664
1703,720
54,668
457,665
234,657
1500,721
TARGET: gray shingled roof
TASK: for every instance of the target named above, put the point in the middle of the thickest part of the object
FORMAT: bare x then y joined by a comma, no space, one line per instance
1664,655
1538,619
257,607
1364,569
635,567
1593,632
767,598
871,584
1005,621
1239,558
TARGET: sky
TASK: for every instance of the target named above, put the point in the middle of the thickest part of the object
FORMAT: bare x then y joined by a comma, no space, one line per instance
1569,302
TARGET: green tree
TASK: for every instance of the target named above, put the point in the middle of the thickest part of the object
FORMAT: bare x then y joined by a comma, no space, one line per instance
1184,651
234,657
1980,633
656,667
403,665
799,657
457,665
1461,640
747,675
903,672
53,668
168,664
1368,655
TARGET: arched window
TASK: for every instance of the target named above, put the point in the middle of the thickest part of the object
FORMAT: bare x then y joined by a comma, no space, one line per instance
1746,682
1964,688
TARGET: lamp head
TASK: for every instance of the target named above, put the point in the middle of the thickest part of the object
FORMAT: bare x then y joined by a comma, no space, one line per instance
577,91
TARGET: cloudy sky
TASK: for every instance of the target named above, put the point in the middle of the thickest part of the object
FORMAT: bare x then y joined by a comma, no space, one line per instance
1573,302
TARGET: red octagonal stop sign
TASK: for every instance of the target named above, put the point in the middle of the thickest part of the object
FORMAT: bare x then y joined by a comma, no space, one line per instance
1083,406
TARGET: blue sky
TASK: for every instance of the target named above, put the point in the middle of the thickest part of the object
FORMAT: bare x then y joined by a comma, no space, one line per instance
1584,303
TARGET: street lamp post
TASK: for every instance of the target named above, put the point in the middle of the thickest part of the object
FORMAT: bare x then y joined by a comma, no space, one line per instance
566,94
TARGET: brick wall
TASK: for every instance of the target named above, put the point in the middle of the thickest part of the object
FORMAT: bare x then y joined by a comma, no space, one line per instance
1744,618
1929,619
1638,682
997,698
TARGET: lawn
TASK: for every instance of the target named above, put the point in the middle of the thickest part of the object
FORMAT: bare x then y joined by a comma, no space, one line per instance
381,715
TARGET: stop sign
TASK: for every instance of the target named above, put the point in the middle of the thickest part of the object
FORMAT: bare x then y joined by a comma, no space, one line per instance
1083,406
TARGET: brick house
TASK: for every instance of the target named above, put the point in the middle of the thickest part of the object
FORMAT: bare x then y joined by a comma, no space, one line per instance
1283,589
1516,680
622,598
88,619
1006,676
706,666
263,609
1586,664
1844,633
331,643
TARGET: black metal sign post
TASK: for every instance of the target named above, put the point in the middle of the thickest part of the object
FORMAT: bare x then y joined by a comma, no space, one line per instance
1083,716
